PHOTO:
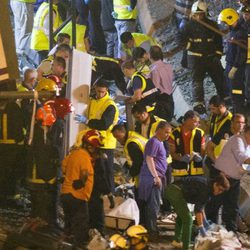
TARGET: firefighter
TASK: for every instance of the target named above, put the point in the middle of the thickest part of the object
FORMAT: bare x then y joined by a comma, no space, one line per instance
142,90
12,151
204,50
235,58
187,147
102,114
40,31
132,40
77,187
42,166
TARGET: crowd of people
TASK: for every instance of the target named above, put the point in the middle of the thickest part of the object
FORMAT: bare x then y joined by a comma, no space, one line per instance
170,165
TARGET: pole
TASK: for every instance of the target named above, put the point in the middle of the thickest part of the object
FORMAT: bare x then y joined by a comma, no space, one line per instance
51,38
25,95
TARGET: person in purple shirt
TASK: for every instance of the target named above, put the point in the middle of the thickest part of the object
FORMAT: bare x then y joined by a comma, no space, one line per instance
161,74
152,176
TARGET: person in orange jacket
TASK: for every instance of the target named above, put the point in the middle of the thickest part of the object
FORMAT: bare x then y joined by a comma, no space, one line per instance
77,187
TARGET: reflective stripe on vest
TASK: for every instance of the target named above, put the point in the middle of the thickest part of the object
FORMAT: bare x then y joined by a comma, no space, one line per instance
96,109
39,40
190,168
218,124
120,8
35,180
5,139
144,82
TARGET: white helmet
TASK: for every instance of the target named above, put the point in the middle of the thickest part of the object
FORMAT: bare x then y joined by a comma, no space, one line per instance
199,7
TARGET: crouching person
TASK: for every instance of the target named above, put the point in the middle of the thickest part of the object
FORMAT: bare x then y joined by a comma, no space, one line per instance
195,190
77,187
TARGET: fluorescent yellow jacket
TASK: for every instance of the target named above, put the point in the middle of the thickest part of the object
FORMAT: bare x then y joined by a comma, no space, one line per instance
120,8
80,34
39,40
26,1
95,111
182,168
139,39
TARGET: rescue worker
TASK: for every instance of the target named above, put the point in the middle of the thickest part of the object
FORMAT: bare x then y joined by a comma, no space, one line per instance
187,147
62,38
246,16
214,148
230,162
12,151
132,40
77,187
102,114
219,128
142,90
29,80
133,146
125,14
109,69
195,190
40,31
42,167
23,12
82,37
204,48
235,58
64,51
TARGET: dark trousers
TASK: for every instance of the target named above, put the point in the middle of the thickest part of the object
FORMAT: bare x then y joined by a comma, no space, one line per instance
230,202
201,66
43,202
42,54
12,168
96,213
164,107
236,84
110,170
76,218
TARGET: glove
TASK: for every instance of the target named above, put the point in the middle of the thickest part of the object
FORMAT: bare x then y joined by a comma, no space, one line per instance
111,201
202,231
197,158
81,118
232,72
206,224
77,184
114,14
129,8
185,158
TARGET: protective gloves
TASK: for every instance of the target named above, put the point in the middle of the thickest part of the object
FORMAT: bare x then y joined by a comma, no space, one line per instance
202,231
129,8
77,184
197,158
206,224
81,118
185,158
114,14
111,201
232,73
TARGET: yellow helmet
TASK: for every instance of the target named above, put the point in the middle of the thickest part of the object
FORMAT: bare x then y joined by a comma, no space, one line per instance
138,237
46,84
228,16
118,242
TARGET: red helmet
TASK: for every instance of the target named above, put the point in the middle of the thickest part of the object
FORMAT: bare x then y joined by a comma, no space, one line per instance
93,137
56,79
46,114
62,106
